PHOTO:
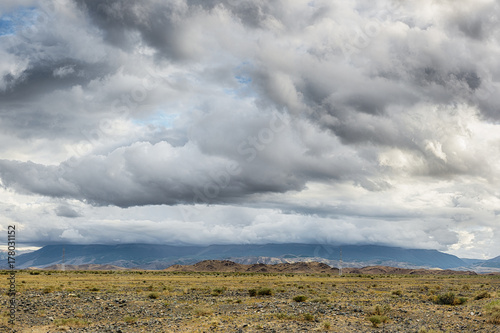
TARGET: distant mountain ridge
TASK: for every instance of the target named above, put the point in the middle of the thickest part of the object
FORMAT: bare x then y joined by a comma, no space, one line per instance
491,265
230,266
304,267
147,256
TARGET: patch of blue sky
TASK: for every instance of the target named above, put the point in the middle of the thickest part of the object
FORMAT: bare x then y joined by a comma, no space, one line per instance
17,20
244,86
158,119
243,79
6,26
244,83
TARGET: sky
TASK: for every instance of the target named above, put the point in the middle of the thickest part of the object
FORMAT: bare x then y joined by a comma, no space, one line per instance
251,121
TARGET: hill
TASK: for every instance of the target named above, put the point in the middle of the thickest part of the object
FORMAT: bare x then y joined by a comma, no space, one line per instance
486,266
229,266
305,267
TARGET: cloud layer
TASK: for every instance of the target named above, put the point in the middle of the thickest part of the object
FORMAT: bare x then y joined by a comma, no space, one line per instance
305,121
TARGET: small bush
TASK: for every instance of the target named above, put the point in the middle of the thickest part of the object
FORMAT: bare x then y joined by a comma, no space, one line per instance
129,319
94,289
260,292
379,310
482,295
376,320
449,299
218,291
283,316
397,292
265,292
300,298
153,296
327,325
308,317
493,312
48,290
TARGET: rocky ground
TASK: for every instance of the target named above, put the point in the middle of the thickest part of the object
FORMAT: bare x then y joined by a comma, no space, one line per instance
202,302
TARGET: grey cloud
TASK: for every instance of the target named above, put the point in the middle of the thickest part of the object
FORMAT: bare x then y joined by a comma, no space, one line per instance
479,21
160,24
66,211
139,175
223,167
46,76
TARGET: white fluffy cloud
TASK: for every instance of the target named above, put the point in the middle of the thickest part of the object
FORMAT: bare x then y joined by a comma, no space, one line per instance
294,121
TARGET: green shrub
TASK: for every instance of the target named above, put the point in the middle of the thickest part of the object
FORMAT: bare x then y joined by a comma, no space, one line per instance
282,315
308,317
300,298
153,296
48,289
260,292
377,319
129,319
265,292
449,299
482,295
379,310
218,291
492,310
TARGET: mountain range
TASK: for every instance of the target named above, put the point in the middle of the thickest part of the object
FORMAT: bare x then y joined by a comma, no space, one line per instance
148,256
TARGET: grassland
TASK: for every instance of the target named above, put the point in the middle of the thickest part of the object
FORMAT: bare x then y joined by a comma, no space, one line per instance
152,301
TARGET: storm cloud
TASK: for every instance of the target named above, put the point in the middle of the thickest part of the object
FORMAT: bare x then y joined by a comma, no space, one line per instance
341,118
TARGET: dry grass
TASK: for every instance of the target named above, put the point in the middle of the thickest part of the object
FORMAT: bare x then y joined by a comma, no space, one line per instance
493,312
221,301
71,322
